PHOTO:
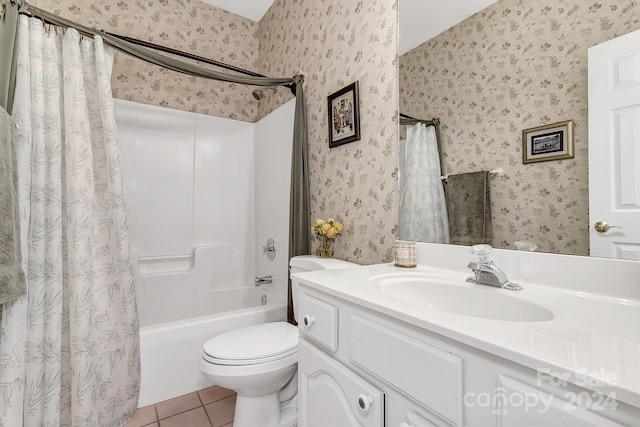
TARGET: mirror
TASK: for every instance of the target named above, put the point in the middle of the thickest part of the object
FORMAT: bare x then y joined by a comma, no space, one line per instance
514,65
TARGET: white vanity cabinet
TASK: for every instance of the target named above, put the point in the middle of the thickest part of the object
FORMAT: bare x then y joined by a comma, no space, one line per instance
561,410
333,395
359,367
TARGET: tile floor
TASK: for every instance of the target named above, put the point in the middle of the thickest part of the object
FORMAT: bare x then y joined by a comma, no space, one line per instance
210,407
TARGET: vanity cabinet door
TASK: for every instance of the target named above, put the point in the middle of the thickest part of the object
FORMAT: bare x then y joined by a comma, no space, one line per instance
332,395
520,404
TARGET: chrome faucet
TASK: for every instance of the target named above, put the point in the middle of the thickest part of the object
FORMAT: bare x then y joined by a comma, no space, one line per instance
486,272
264,279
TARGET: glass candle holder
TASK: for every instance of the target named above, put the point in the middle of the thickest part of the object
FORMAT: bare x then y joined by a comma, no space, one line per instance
405,254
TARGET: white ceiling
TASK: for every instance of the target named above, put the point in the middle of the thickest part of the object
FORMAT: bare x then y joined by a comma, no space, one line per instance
252,9
419,20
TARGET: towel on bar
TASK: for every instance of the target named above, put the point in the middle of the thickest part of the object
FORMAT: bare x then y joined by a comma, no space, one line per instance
12,280
469,207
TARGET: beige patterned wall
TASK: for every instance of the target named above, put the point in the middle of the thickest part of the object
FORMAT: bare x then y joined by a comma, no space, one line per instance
187,25
337,42
516,65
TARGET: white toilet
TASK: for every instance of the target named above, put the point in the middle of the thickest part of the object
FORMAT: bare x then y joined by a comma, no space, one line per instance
259,362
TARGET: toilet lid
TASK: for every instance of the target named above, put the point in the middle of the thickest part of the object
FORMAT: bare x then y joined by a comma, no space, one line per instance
253,344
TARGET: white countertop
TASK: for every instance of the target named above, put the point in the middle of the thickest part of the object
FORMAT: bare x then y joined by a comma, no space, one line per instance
593,338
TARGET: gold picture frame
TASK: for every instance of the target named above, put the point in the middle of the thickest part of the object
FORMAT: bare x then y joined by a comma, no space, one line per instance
548,142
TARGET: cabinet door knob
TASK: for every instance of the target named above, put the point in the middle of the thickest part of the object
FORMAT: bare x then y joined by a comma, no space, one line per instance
364,402
308,320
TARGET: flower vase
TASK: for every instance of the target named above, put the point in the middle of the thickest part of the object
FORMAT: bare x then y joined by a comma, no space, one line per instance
325,250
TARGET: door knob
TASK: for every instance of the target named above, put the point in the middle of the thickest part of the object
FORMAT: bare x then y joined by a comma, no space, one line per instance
603,227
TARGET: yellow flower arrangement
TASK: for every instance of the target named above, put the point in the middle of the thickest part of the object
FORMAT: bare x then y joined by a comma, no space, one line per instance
326,232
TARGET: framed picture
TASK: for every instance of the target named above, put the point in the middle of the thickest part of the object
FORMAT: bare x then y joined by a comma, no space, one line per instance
548,142
344,116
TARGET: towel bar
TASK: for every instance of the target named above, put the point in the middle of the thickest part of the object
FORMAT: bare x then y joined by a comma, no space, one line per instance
494,172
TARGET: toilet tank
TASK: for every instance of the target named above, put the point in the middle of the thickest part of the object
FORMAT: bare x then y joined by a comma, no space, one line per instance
302,263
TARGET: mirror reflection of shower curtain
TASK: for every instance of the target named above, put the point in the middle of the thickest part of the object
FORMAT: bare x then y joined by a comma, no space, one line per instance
423,209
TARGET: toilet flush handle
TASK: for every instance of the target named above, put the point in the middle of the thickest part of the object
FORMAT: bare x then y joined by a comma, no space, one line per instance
308,320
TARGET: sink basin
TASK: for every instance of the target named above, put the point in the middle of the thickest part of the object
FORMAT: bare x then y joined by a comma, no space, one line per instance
443,293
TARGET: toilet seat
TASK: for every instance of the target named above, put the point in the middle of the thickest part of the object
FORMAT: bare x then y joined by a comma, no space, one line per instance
251,345
244,362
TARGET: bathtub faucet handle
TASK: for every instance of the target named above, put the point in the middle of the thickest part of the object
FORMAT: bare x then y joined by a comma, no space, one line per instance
263,279
270,249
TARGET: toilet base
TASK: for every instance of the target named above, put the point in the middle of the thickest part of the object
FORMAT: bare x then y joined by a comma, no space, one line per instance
254,411
263,411
289,417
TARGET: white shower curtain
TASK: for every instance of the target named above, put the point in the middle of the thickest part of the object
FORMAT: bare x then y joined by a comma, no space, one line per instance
423,209
69,352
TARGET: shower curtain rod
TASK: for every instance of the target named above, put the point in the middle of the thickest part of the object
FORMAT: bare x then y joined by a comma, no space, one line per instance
433,122
173,52
189,56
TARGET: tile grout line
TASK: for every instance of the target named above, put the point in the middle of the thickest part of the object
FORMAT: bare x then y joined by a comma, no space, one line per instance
155,410
205,409
181,411
202,405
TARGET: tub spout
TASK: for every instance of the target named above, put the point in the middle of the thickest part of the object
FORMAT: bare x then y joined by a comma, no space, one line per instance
264,279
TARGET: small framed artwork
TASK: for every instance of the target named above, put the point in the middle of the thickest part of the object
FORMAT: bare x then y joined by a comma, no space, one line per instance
344,116
548,142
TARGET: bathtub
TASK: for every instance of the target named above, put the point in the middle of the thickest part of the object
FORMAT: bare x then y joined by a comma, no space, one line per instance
170,351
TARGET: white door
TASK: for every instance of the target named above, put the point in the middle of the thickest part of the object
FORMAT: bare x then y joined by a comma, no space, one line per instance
614,147
329,394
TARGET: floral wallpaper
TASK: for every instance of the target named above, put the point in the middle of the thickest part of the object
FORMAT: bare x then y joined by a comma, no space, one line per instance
187,25
515,65
336,43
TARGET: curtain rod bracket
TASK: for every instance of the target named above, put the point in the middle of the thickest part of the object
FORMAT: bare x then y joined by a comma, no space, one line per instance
433,122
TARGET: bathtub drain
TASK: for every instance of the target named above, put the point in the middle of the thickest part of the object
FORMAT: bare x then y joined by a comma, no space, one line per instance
263,300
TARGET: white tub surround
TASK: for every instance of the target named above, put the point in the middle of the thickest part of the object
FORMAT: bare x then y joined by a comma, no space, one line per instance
203,194
590,342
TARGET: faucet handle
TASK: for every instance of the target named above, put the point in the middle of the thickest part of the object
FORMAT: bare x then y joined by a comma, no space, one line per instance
270,249
483,252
